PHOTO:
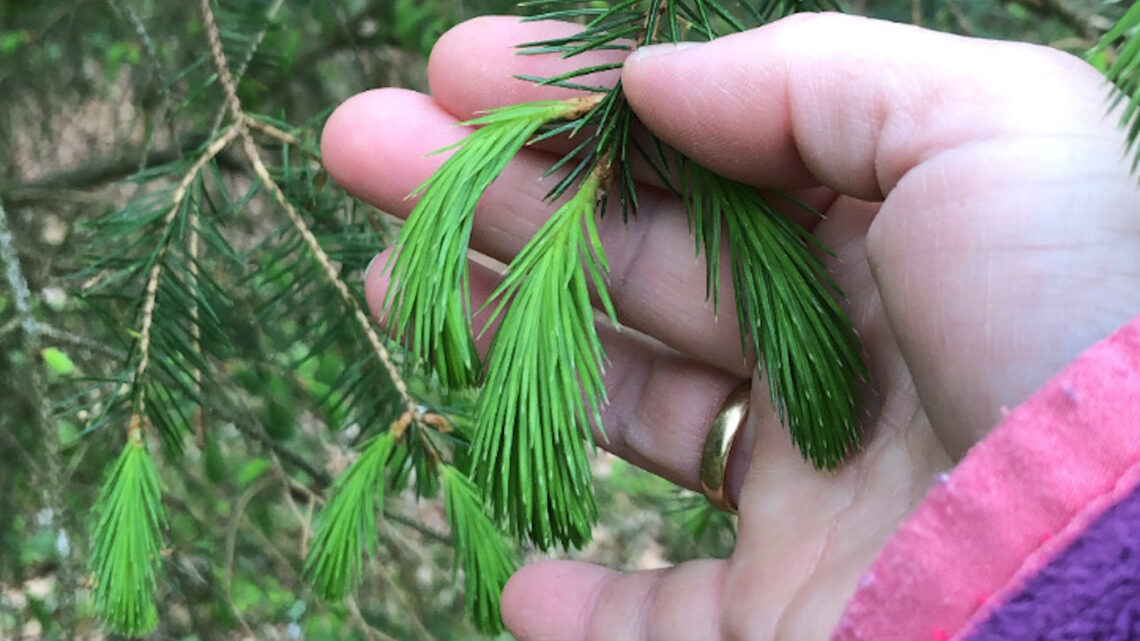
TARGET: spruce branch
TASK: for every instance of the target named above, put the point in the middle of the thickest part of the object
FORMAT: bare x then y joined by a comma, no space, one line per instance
242,125
127,532
807,348
541,384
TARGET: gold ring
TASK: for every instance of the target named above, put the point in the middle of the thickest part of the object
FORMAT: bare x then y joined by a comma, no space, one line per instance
714,455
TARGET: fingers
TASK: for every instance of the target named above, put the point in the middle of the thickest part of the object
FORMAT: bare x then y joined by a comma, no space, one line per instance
571,601
377,146
1007,238
473,66
661,404
848,102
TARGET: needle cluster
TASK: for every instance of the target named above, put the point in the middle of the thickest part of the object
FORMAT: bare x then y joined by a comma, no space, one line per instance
540,389
433,314
128,542
347,526
788,309
485,558
544,380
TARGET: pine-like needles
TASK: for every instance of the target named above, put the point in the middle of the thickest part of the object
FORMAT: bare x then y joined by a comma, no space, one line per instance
346,529
486,559
544,385
429,301
128,541
787,307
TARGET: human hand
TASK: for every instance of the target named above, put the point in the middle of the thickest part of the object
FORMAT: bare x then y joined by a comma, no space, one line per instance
985,229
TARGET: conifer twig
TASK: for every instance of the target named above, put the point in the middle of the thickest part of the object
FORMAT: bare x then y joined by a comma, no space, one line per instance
150,297
193,242
237,514
284,137
241,127
52,480
81,342
269,15
256,432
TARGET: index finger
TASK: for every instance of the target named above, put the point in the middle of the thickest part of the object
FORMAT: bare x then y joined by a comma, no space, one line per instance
849,102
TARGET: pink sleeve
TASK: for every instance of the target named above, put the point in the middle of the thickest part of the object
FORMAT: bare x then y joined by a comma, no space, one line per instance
1020,499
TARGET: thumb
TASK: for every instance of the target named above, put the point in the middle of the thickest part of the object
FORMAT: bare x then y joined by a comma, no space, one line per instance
848,102
1006,241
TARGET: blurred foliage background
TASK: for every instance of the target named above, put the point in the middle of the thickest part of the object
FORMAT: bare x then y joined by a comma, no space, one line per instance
104,106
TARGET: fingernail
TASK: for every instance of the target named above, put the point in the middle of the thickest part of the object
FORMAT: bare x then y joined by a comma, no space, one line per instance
372,263
660,50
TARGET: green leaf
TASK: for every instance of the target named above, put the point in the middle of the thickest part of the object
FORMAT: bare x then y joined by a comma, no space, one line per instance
429,301
346,527
544,381
487,560
58,361
11,41
127,543
251,471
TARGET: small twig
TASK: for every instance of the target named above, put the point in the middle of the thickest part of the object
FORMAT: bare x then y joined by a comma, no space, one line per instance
13,442
271,547
284,137
367,629
1084,23
156,68
411,614
221,115
75,185
45,426
151,294
9,327
257,433
237,514
347,27
274,132
81,342
127,11
250,147
963,21
304,519
426,531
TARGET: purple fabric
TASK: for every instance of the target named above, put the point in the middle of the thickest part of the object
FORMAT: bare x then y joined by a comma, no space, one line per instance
1089,592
